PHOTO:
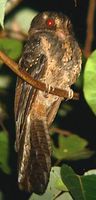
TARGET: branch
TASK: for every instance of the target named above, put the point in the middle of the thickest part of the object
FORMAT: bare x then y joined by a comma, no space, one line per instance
13,34
11,5
35,83
75,1
60,131
90,29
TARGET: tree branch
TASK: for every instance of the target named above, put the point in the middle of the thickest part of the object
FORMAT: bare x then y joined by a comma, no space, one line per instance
35,83
90,28
60,131
10,33
75,1
11,5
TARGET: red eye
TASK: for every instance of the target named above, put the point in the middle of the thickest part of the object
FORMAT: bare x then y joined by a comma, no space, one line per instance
50,22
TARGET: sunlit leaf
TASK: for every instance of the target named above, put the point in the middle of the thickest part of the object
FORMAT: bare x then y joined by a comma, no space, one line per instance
4,152
80,187
2,11
90,172
77,187
22,19
72,147
90,82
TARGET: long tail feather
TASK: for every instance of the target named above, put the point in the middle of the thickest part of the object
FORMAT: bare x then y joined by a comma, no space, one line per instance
34,156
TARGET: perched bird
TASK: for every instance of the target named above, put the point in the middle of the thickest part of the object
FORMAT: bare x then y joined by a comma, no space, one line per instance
51,55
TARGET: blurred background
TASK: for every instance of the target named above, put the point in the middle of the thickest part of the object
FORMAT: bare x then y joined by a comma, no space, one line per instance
75,119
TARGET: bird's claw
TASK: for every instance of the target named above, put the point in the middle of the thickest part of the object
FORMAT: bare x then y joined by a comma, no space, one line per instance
48,89
70,94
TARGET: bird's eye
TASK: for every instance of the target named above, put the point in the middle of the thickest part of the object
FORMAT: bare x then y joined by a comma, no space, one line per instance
50,22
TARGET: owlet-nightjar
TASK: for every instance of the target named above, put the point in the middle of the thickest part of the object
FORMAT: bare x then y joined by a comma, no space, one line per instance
51,55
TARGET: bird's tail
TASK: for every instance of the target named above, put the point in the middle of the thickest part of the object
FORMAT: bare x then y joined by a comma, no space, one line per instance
34,156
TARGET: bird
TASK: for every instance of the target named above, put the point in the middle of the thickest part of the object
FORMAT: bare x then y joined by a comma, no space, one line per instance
53,56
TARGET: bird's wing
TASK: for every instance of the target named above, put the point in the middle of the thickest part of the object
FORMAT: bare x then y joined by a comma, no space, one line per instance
34,63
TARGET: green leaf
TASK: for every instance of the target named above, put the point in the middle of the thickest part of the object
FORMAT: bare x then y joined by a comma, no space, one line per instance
1,196
11,47
4,152
54,188
71,148
2,11
89,185
80,187
73,182
4,81
23,19
90,81
28,15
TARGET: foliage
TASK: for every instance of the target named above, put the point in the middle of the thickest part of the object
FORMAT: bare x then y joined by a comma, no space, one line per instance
80,187
4,152
73,186
54,188
11,47
90,82
72,148
2,11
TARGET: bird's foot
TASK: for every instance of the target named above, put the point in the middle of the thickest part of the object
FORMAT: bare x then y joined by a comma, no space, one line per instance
48,89
70,93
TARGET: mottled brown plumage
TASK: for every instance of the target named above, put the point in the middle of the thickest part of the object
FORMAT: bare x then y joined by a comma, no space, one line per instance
53,56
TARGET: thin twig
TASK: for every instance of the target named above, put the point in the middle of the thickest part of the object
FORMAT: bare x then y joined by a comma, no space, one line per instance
60,131
75,1
90,29
57,163
11,5
3,126
35,83
13,34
